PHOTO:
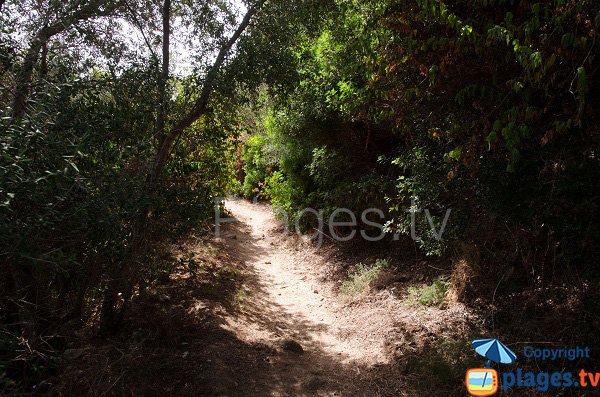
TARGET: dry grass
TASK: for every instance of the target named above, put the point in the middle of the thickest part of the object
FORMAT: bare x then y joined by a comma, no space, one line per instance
461,279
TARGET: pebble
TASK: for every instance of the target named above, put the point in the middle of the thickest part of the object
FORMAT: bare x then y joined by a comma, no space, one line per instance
292,346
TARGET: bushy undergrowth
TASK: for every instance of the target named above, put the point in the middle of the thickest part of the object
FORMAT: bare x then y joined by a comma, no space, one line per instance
73,197
430,295
363,277
486,108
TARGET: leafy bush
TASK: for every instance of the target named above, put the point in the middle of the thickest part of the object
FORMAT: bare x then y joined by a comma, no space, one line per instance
485,108
363,277
255,167
73,189
431,295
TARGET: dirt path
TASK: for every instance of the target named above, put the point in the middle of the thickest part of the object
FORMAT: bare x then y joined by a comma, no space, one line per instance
285,300
351,346
288,273
227,321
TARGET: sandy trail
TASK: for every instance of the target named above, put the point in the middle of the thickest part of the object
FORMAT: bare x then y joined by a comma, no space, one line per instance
288,273
275,288
221,330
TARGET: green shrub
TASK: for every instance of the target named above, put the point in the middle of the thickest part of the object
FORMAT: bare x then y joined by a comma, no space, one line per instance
418,188
282,193
431,295
363,277
255,167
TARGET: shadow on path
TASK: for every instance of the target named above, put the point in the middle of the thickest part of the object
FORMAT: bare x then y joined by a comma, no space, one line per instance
194,351
214,329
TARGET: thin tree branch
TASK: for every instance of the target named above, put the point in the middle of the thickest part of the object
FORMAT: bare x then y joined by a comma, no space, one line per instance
137,23
164,74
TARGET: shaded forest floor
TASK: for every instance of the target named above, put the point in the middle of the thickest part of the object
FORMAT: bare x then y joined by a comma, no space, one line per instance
261,313
229,323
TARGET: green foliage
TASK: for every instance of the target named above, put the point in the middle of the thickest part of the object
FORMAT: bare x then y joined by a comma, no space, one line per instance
418,188
363,277
76,203
485,107
255,167
482,107
431,295
283,195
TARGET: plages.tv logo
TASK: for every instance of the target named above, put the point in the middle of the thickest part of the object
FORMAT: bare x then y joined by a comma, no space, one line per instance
484,381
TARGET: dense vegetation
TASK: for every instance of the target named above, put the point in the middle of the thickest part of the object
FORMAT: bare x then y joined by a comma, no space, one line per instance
488,108
110,151
484,107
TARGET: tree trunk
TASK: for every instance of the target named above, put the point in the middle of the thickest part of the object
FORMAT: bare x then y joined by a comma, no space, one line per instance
199,107
44,61
122,278
25,285
24,76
